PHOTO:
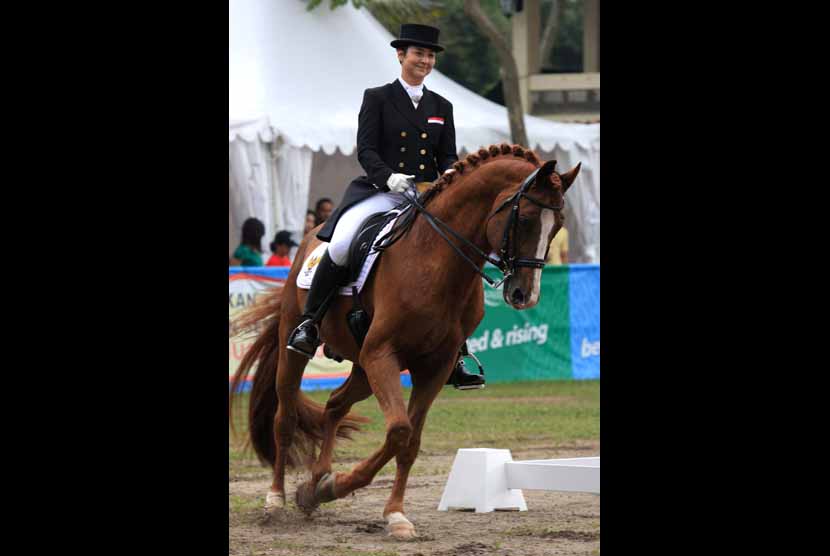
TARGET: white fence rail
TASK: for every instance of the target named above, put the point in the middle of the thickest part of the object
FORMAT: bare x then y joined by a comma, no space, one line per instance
487,479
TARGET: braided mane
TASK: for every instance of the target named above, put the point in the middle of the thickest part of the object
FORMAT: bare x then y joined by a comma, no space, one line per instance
474,160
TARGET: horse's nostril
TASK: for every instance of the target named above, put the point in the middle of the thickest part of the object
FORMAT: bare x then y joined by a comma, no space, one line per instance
518,297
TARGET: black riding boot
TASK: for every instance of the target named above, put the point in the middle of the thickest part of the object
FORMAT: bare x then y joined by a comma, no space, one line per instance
460,378
306,338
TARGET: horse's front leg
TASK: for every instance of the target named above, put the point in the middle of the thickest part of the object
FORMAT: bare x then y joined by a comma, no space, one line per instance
425,388
383,373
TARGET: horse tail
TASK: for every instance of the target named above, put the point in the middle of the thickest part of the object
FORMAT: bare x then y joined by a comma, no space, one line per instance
262,318
263,403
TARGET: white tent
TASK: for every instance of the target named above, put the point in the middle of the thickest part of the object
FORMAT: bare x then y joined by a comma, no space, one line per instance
296,82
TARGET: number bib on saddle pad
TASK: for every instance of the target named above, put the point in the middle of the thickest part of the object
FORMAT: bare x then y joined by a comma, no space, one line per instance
306,274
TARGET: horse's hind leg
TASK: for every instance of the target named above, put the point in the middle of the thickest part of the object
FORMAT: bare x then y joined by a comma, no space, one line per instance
355,389
289,378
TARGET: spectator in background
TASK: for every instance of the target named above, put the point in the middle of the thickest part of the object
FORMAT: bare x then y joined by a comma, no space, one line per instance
310,221
281,247
249,252
323,209
558,250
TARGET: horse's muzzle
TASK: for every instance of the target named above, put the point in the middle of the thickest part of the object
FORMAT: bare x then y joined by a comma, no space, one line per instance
514,295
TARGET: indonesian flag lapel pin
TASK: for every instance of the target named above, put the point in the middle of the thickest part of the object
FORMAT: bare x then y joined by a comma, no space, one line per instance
435,120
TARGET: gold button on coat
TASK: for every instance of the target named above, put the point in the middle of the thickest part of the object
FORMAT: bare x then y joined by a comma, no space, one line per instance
403,134
423,151
400,165
421,166
423,136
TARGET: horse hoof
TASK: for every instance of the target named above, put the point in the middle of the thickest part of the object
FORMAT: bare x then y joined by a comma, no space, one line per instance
399,527
309,497
274,501
324,492
305,498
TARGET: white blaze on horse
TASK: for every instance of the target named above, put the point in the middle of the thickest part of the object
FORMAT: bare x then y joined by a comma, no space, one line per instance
424,298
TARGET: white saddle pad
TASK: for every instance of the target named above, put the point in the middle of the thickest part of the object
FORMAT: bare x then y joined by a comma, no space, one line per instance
306,274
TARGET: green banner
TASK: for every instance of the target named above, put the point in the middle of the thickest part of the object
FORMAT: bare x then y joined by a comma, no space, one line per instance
533,344
558,339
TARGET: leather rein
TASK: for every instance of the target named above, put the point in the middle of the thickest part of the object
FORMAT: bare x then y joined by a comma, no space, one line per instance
507,262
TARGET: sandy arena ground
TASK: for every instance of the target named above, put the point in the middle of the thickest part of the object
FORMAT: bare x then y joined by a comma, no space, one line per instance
555,523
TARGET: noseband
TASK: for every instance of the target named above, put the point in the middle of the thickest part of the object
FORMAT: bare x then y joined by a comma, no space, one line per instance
507,261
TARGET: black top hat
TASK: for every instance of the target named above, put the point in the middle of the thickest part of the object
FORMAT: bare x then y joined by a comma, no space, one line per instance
418,35
283,238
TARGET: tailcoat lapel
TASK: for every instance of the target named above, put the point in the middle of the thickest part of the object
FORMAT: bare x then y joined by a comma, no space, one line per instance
427,107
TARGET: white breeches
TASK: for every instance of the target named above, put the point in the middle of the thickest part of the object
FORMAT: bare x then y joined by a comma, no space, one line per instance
351,220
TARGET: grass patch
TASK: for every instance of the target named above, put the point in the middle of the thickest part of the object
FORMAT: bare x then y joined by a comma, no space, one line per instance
502,415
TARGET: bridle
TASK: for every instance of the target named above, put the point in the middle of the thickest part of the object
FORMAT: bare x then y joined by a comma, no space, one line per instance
507,261
512,225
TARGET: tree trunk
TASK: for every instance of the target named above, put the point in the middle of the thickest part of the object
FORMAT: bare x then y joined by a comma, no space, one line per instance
509,71
551,30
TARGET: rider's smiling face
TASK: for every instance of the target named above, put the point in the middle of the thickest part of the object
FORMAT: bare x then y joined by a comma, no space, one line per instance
416,63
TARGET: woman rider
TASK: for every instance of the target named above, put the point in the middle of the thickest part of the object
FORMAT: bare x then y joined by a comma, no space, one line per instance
405,132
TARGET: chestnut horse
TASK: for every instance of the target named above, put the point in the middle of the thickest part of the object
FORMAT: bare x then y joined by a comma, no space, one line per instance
425,299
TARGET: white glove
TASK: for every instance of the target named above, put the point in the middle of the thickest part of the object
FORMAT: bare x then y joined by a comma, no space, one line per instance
398,183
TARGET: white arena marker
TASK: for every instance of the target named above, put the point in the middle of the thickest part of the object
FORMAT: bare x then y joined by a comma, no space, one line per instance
487,479
478,481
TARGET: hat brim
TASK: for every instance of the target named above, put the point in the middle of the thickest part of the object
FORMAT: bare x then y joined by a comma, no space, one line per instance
403,43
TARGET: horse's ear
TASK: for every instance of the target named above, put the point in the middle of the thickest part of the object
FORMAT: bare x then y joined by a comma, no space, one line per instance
543,177
569,177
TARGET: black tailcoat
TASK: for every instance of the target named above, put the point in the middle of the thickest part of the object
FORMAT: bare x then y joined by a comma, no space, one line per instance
394,137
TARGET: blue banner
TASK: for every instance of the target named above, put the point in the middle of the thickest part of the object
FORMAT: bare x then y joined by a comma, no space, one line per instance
583,283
